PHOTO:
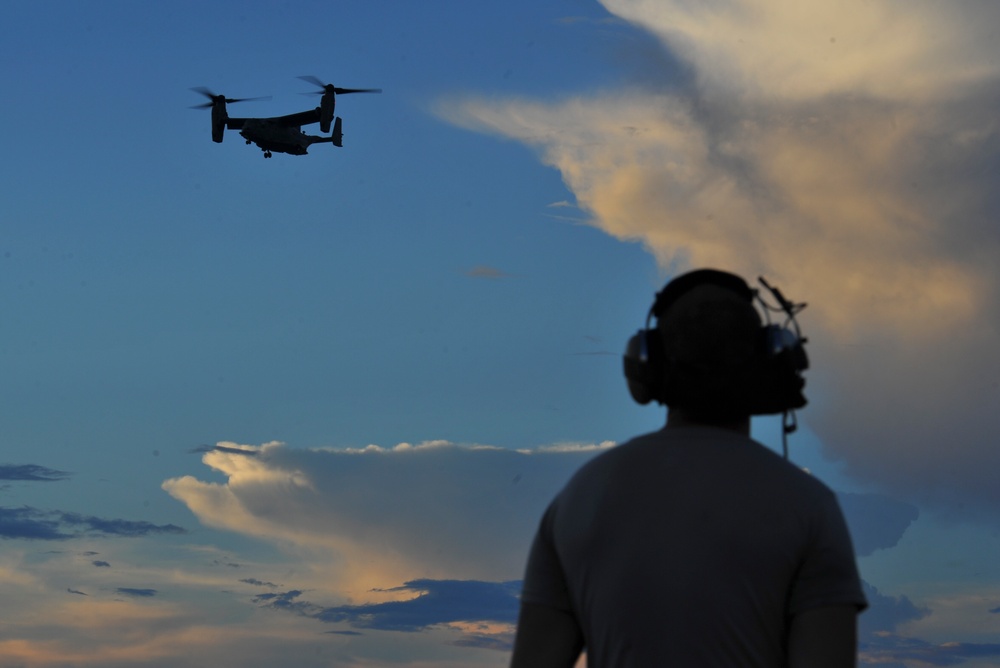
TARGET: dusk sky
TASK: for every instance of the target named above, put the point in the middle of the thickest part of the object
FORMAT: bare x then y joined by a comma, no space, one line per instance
308,410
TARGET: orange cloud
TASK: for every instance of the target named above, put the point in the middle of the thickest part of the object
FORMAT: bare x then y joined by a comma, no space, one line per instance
848,152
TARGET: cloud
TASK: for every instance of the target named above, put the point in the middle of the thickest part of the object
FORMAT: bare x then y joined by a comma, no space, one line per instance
452,523
847,152
30,524
437,602
887,613
888,627
101,564
31,472
222,448
366,519
117,527
793,51
34,524
483,612
882,649
140,630
877,522
258,583
138,592
380,516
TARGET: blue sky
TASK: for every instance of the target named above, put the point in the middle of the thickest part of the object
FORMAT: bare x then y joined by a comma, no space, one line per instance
310,408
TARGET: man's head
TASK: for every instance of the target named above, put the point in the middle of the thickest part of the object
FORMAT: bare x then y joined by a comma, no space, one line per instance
710,354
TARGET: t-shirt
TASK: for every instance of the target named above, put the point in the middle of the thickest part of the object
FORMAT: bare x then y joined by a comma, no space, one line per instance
691,546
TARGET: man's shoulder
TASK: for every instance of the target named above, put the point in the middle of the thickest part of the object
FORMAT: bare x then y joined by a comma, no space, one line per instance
660,445
693,437
693,448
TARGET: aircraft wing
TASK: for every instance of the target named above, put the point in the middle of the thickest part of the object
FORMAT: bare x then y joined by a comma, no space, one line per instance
299,119
291,120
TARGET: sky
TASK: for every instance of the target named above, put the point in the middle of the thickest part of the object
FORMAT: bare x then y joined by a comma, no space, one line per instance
310,409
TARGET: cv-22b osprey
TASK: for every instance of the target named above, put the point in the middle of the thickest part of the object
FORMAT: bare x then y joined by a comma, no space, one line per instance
282,134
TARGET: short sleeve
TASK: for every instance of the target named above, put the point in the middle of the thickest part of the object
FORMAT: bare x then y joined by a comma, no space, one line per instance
828,574
544,578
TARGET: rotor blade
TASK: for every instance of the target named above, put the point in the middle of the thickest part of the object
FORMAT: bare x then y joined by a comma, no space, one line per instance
207,105
213,97
328,88
204,91
313,80
249,99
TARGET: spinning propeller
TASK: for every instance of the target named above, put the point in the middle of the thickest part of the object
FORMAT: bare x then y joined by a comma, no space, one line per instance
330,88
221,98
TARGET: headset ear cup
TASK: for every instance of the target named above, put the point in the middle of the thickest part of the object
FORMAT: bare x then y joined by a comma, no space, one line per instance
637,367
780,382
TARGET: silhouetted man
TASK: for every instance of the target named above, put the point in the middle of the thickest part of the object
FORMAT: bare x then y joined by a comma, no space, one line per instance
695,546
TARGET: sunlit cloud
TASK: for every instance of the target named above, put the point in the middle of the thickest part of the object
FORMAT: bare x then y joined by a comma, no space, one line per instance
789,50
438,509
420,536
427,537
381,516
847,152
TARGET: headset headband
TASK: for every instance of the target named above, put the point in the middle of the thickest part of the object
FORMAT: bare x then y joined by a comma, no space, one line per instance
681,285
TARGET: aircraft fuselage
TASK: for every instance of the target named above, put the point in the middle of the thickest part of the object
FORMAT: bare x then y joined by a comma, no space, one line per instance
272,136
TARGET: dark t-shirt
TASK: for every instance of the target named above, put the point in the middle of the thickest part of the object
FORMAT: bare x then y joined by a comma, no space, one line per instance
691,547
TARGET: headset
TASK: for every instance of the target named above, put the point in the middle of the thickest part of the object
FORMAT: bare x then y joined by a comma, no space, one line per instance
774,382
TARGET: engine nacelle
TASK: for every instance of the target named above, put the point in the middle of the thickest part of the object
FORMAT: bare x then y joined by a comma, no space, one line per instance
338,133
326,107
219,118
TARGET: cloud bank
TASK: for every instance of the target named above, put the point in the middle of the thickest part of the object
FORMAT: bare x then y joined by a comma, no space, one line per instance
849,152
385,516
425,537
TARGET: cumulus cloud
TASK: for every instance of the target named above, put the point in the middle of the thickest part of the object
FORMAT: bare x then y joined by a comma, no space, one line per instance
385,515
453,523
850,154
